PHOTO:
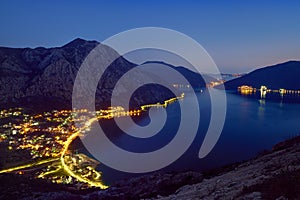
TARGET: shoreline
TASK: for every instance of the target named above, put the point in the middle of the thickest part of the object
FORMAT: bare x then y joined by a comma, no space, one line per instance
258,178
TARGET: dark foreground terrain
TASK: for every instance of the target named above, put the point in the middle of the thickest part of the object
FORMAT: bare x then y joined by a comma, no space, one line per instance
273,174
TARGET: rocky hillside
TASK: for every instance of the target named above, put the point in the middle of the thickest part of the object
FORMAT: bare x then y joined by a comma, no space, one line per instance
275,175
45,73
44,77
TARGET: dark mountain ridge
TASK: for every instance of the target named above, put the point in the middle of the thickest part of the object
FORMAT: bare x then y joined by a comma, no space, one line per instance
284,75
45,76
195,79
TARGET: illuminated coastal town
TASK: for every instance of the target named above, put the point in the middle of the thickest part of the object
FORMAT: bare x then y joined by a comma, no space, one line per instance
263,90
39,144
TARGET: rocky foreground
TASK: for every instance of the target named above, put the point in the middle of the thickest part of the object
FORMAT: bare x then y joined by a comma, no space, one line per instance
275,175
271,175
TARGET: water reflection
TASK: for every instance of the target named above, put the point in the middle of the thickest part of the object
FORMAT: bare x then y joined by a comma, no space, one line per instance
252,125
261,108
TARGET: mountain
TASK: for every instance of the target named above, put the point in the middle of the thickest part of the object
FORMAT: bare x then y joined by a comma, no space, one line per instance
284,75
195,79
45,76
30,74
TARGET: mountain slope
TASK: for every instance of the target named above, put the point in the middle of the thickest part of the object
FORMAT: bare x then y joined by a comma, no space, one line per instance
40,72
285,75
195,79
45,76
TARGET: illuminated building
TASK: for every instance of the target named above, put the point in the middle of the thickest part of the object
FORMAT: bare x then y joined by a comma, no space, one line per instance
245,89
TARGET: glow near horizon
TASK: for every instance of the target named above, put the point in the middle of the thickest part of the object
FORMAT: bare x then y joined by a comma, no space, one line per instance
239,36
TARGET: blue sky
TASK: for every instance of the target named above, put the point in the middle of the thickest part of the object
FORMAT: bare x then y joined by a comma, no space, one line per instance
239,35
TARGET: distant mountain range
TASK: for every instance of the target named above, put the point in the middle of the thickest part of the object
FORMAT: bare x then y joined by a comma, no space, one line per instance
45,76
195,79
285,75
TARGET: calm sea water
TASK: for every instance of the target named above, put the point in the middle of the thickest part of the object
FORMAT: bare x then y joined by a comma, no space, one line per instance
251,126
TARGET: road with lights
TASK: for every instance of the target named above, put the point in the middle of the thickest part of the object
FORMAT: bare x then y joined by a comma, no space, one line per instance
47,138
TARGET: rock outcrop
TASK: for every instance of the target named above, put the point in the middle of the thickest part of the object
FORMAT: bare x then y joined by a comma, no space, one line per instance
275,175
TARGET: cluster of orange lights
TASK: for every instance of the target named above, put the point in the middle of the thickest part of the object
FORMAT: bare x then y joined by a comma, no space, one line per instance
246,90
117,111
60,132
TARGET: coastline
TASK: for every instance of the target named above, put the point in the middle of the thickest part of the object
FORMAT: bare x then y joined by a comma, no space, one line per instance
274,174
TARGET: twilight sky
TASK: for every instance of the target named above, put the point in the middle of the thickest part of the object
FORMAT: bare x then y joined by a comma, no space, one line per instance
239,35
